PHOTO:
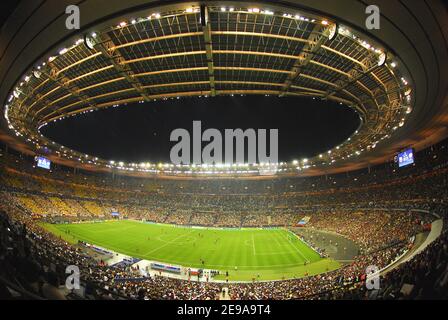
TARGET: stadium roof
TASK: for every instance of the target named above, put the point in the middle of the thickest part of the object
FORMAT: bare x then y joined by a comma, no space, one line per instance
134,51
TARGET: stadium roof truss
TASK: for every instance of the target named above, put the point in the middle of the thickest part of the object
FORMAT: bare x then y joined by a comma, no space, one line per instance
212,51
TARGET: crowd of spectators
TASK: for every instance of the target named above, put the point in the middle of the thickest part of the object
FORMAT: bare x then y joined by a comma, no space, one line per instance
378,209
387,227
36,259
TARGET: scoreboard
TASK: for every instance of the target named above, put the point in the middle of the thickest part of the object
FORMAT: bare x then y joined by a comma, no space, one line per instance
43,162
405,158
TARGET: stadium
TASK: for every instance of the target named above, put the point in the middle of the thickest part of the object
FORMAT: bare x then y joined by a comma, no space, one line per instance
354,207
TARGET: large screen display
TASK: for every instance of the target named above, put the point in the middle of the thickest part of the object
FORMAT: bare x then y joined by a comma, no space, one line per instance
406,158
43,162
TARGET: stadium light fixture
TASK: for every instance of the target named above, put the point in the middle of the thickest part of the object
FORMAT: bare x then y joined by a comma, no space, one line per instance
382,59
37,74
90,40
16,93
333,31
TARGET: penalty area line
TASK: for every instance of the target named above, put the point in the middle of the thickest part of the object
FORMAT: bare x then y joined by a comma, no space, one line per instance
297,249
253,245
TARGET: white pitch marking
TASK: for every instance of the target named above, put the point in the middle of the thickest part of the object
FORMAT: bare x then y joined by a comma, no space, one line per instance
253,245
297,249
168,242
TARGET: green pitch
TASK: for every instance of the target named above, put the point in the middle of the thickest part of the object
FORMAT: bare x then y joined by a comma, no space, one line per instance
270,254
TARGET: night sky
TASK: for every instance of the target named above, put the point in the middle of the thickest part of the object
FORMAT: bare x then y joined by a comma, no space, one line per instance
7,7
141,132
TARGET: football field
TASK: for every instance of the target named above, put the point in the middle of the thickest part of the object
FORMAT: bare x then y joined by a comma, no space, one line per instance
263,254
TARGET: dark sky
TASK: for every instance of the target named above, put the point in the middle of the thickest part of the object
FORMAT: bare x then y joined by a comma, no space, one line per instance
6,9
141,132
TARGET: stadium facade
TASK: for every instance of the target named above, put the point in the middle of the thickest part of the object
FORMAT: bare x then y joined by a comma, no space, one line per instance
151,51
317,228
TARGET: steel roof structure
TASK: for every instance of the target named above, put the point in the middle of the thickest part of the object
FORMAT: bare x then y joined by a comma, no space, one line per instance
150,51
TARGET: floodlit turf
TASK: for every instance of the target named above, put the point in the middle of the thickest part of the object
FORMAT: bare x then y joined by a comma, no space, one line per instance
263,254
